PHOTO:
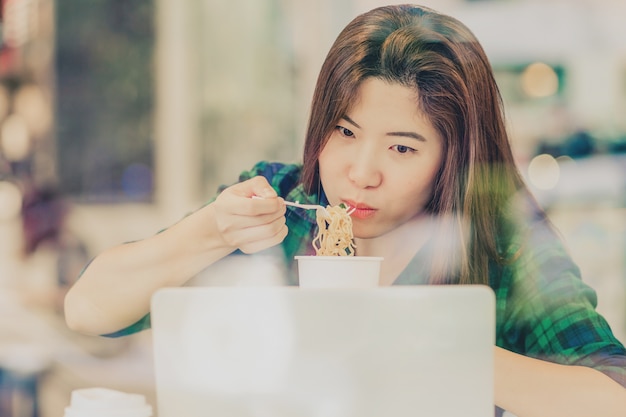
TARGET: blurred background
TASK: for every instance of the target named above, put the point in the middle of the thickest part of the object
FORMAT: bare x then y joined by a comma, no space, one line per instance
117,117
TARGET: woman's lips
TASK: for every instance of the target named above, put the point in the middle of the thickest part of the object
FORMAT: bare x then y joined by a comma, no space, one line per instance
361,211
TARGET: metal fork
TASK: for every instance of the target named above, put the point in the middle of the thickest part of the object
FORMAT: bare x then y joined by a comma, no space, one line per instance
297,204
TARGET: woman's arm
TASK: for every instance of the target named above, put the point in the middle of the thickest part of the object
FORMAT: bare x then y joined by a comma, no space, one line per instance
530,387
115,290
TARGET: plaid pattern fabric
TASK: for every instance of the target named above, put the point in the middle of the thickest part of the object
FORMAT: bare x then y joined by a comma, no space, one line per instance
543,308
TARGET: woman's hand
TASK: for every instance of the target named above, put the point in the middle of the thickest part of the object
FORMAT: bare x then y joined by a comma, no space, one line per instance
248,224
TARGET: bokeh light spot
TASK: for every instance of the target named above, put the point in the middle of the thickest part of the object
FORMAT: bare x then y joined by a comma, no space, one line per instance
15,140
544,172
539,80
10,200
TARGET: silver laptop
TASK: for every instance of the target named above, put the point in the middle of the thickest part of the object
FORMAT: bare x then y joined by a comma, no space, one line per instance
291,352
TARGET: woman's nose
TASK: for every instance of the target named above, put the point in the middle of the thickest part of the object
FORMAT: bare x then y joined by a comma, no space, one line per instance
364,170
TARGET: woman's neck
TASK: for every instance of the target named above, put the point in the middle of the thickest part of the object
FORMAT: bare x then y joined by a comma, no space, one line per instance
397,247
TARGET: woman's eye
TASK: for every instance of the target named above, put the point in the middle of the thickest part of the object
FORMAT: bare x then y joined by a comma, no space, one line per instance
402,149
345,132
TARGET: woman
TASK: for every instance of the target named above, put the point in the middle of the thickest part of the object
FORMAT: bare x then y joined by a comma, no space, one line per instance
407,128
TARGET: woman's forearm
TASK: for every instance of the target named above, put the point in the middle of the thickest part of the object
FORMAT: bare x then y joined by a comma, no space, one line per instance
115,289
533,388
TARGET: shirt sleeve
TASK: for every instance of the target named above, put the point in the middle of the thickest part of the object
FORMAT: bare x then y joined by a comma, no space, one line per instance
546,311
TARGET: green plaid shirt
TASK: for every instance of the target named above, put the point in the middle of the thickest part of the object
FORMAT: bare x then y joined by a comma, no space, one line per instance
543,308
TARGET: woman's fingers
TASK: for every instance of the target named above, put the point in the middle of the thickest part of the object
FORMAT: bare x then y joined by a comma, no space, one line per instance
237,199
250,224
267,241
258,237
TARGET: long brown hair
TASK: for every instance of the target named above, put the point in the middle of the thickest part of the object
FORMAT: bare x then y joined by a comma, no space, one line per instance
441,58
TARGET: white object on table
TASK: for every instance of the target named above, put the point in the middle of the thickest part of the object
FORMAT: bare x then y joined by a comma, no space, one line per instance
104,402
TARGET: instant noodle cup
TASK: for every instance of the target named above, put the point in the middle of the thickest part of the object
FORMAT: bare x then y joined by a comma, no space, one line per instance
338,271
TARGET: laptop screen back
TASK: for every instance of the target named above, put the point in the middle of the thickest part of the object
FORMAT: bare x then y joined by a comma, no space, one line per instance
290,352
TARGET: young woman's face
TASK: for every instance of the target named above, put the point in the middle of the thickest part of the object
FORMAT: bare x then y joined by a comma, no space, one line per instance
382,159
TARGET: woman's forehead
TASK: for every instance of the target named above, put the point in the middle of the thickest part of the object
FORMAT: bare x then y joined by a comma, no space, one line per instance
379,97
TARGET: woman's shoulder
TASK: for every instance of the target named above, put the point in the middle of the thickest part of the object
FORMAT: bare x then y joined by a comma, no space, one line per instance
535,244
535,262
522,225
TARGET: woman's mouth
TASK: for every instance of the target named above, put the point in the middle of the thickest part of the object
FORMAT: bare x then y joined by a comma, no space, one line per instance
360,210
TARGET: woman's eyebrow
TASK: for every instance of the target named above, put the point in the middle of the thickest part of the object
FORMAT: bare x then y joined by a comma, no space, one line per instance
412,135
352,122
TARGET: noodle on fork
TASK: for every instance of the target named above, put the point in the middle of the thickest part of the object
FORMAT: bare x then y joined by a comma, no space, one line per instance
334,234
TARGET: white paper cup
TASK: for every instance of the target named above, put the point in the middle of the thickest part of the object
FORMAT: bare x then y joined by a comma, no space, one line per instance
103,402
338,271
